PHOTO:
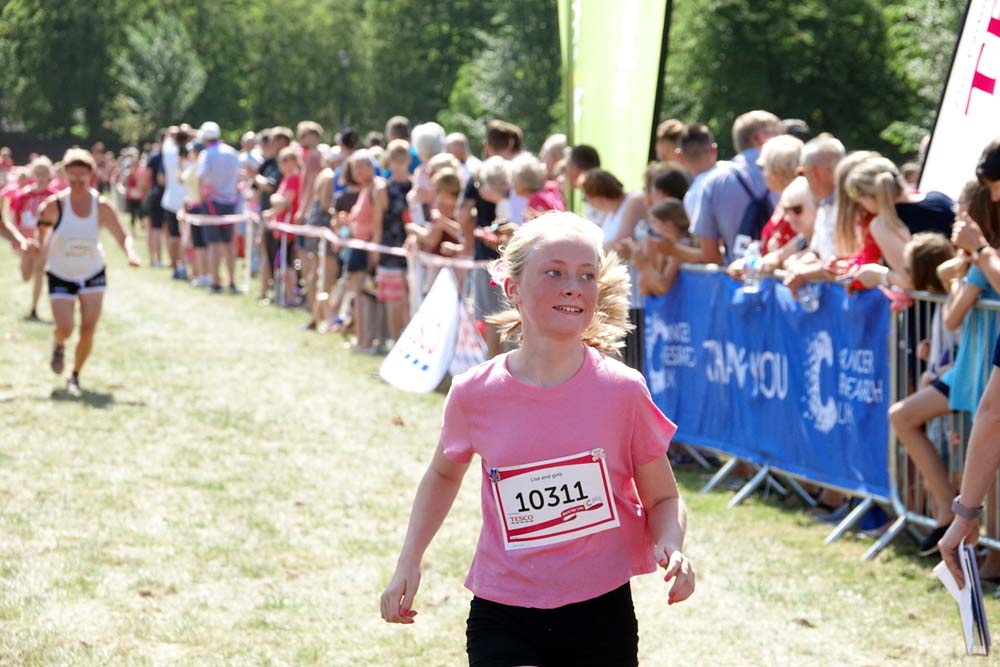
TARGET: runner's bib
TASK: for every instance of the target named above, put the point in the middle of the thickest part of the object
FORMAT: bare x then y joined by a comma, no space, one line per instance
553,501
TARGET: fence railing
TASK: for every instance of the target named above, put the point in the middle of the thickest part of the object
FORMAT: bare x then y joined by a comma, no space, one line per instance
841,380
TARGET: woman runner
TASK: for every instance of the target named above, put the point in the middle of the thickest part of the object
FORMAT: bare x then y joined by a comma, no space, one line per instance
70,229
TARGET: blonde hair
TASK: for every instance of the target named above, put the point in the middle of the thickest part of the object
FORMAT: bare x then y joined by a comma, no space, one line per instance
845,227
878,177
398,149
447,181
495,175
780,156
529,171
443,161
746,126
606,332
39,163
79,156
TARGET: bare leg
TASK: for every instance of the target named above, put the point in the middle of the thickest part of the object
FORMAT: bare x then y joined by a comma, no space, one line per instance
174,251
63,311
36,288
214,260
354,291
90,312
229,255
908,418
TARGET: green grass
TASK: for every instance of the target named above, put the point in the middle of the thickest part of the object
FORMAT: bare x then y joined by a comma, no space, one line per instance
230,491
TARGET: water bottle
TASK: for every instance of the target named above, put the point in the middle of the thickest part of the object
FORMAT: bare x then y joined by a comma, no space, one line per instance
751,268
809,298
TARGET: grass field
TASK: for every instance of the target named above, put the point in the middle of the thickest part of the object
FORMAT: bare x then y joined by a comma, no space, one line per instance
231,491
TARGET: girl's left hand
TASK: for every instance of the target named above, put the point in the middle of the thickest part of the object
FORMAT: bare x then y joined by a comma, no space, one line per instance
678,568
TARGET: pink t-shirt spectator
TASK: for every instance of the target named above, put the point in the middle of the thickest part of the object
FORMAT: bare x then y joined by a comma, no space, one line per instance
605,406
548,199
290,189
25,207
777,232
361,214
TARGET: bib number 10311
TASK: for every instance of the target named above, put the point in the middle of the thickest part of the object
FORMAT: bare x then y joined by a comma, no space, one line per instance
550,496
553,501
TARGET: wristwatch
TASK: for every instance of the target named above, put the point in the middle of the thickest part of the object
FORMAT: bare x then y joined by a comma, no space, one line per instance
978,251
965,512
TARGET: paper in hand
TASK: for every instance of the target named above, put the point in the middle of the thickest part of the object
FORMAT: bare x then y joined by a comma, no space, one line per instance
970,601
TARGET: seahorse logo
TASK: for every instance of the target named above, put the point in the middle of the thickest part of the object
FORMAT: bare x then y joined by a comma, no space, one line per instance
824,413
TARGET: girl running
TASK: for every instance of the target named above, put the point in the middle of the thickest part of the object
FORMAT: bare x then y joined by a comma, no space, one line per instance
577,493
70,231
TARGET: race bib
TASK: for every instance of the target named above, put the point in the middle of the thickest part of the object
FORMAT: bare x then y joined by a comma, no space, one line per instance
28,220
80,247
554,501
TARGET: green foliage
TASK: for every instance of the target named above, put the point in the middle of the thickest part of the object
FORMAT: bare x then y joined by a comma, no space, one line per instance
867,71
160,76
516,76
870,71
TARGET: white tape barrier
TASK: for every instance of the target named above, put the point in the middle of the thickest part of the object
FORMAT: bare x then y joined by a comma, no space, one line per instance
425,258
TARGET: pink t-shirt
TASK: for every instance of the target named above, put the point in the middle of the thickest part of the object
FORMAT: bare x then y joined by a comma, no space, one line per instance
605,406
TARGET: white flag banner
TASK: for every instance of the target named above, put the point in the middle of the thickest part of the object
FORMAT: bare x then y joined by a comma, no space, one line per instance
969,117
470,349
422,355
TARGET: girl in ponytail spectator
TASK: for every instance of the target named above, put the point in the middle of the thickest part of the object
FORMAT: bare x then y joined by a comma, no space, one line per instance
961,387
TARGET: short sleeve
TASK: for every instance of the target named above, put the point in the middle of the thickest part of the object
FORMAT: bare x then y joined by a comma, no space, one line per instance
455,436
703,222
202,164
471,194
651,430
977,278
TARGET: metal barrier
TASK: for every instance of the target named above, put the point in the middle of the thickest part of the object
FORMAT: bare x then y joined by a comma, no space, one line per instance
949,432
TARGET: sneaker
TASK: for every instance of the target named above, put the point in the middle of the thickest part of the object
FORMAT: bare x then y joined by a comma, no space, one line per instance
58,359
233,289
928,545
216,289
32,317
180,273
73,385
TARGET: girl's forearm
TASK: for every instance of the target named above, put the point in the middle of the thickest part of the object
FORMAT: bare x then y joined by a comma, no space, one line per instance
668,522
434,499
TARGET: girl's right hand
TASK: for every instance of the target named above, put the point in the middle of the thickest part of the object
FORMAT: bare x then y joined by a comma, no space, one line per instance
397,599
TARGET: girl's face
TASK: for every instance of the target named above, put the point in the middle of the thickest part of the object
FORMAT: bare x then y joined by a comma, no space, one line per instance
363,171
445,202
666,229
801,214
557,291
994,188
288,166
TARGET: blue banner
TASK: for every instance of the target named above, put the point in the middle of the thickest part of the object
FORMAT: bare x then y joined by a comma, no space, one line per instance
753,375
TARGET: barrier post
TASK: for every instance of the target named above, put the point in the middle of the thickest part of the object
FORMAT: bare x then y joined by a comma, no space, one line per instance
249,246
280,283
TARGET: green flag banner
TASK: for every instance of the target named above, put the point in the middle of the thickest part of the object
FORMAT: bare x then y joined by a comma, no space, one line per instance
612,59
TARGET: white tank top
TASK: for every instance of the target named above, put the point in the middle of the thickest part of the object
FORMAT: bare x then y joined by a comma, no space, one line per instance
611,225
75,251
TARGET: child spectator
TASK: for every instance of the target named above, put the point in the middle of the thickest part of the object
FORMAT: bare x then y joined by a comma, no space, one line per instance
389,219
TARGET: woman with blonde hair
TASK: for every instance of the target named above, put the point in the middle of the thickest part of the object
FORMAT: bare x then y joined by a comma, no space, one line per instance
877,185
779,160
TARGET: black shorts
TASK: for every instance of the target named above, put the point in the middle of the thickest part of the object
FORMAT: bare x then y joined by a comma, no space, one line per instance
217,233
198,236
69,289
173,225
133,207
938,384
601,632
387,261
273,247
155,212
357,260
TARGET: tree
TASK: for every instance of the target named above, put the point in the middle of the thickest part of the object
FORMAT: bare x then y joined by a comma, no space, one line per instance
61,54
517,75
824,62
160,76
